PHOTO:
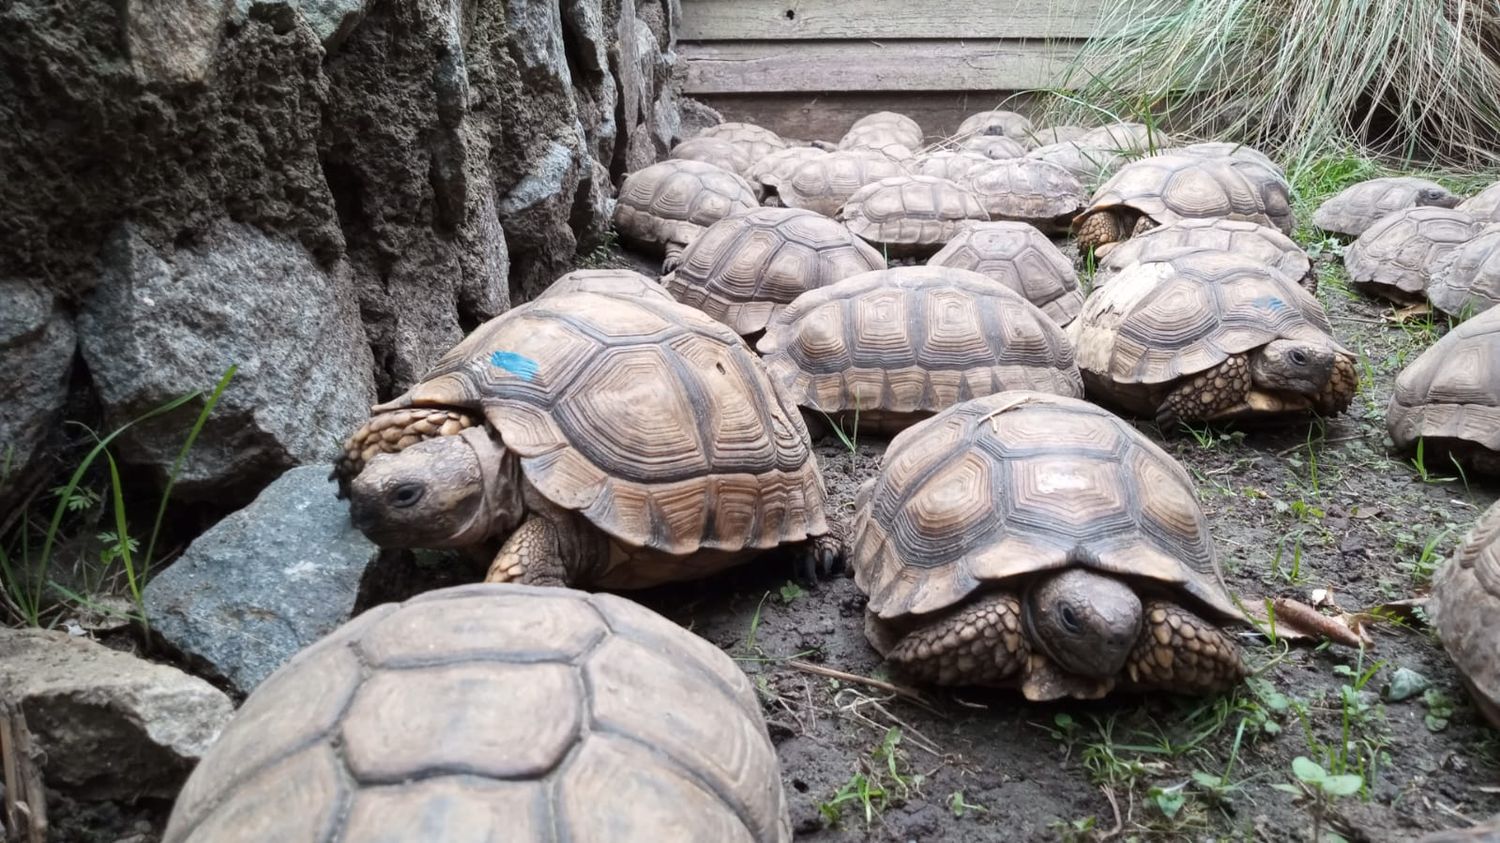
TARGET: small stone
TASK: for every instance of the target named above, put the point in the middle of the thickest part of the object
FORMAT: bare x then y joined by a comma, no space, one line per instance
1405,683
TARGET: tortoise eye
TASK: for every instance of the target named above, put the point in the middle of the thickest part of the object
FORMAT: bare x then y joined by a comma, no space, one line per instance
1068,617
1297,357
407,494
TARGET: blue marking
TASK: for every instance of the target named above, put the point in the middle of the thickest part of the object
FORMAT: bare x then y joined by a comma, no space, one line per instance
1272,303
522,367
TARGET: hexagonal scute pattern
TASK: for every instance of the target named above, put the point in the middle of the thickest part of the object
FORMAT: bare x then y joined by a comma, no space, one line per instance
1020,257
1395,257
673,201
823,185
610,399
1450,394
1467,282
1168,188
1019,483
445,718
902,343
1355,208
911,215
1242,237
1465,600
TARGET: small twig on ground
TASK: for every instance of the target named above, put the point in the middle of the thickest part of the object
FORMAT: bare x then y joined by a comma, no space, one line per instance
1306,619
1334,441
878,684
855,710
1115,807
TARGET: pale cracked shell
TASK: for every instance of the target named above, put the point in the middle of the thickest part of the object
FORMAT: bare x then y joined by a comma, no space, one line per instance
673,201
1397,255
1452,390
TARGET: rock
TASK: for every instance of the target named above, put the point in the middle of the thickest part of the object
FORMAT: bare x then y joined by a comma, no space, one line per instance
36,347
330,20
173,41
264,582
1405,683
161,325
110,725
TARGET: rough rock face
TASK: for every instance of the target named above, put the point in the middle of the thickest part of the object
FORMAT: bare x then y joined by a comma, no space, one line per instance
410,167
109,725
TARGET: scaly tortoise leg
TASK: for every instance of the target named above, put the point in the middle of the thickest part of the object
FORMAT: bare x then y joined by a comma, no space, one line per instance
1179,651
979,643
396,430
1206,395
533,555
1338,393
673,258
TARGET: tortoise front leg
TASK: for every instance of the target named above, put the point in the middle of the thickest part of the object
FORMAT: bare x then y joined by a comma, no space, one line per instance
1207,395
533,555
1338,393
673,258
396,430
979,643
1179,651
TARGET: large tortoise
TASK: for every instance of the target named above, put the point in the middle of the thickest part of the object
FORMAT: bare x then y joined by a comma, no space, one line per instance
1467,281
887,348
1464,607
610,282
950,164
1020,257
825,184
494,712
1236,152
1355,208
1448,399
1038,541
1485,204
755,141
716,151
592,439
996,123
664,206
1123,137
995,147
1394,258
742,271
1027,190
1051,135
910,215
1247,239
1088,164
1166,188
1204,335
767,174
907,130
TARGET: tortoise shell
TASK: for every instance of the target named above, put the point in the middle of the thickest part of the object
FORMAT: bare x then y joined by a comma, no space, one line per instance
1467,281
953,165
777,166
908,131
1396,255
1039,137
649,418
673,201
876,136
755,141
1088,164
1167,188
1465,602
1450,395
608,282
1020,257
997,147
995,123
1020,483
742,271
1122,137
490,712
824,184
1028,190
1233,151
897,344
715,151
910,214
1183,314
1355,208
1485,205
1247,239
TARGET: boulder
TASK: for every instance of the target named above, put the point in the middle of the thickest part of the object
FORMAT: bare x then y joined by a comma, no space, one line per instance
264,582
108,725
36,348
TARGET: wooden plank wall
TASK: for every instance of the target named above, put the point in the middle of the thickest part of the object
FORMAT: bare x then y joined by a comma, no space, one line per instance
809,68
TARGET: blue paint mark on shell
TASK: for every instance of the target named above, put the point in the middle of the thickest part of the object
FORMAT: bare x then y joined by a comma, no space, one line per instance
1272,303
522,367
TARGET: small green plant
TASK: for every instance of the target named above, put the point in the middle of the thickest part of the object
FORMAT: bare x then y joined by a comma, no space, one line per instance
1439,709
1426,564
1321,787
1419,462
1074,831
962,807
860,789
883,777
790,591
1292,573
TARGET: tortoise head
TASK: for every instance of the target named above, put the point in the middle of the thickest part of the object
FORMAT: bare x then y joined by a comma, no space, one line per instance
1296,366
449,491
1436,197
1084,621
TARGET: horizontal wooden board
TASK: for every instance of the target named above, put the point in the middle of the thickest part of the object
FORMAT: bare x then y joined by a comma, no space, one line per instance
739,67
740,20
827,116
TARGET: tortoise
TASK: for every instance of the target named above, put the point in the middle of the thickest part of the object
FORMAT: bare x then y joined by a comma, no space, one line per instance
885,349
1395,256
716,151
664,206
1203,335
1039,137
1165,188
1033,540
910,215
995,123
1467,281
598,440
1485,204
1357,207
609,282
1020,257
744,270
1234,151
824,184
755,141
1464,605
1027,190
1247,239
767,174
490,712
875,140
908,130
1088,164
1122,137
997,147
1448,399
953,165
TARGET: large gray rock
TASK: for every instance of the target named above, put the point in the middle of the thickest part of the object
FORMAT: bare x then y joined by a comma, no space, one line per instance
161,324
36,349
264,582
109,725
